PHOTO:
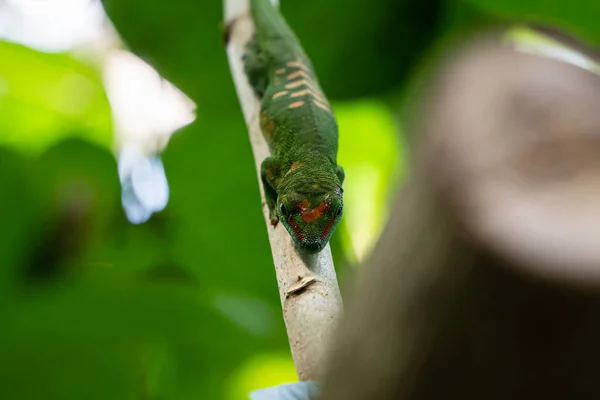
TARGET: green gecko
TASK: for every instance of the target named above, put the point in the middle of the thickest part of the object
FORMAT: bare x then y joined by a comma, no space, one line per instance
301,178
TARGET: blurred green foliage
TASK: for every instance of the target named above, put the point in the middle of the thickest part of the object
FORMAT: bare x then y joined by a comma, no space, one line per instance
186,305
579,17
65,96
370,151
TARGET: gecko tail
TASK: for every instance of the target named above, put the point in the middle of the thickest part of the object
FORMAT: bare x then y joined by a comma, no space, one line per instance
273,34
273,45
267,20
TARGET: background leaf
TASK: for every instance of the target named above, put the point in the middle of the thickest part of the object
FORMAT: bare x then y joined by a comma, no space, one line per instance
66,97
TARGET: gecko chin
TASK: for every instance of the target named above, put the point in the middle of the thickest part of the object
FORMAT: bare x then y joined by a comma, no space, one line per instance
310,222
310,247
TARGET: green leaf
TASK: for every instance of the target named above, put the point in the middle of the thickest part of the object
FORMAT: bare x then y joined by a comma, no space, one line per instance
373,159
47,97
113,341
20,211
214,211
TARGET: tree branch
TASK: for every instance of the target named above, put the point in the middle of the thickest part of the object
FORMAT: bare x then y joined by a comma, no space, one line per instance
308,288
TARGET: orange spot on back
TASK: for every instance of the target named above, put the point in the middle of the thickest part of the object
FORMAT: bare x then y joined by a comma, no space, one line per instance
309,215
321,105
297,74
296,104
279,94
296,64
301,93
313,91
280,71
305,92
295,84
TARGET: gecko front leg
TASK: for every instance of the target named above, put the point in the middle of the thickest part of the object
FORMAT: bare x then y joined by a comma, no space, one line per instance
270,174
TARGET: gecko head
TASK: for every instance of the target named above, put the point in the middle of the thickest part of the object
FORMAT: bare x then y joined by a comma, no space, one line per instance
311,219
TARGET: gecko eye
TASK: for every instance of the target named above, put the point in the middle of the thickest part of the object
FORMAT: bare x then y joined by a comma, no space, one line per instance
283,210
339,210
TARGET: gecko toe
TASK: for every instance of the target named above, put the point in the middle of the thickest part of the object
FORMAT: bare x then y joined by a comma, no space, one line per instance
274,220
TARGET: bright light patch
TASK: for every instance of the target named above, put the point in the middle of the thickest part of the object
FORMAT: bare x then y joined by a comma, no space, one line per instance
264,370
51,25
306,390
146,107
73,94
370,154
144,185
363,219
529,41
3,86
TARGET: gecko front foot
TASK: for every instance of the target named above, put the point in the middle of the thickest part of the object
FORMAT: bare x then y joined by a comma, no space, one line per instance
269,174
274,218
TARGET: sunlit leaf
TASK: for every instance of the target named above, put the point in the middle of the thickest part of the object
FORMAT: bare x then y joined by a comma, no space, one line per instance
261,371
372,157
47,97
530,41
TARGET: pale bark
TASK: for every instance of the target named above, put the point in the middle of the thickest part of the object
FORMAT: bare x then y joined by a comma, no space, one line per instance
308,287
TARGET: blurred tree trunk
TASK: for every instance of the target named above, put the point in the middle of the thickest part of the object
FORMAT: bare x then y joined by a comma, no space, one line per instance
485,282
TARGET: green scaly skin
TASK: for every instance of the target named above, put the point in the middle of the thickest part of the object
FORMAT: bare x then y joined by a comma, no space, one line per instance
302,181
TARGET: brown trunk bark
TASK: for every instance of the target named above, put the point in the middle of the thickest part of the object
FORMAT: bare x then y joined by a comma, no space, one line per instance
485,282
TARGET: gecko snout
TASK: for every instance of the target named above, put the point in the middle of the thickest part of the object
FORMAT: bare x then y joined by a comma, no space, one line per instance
311,246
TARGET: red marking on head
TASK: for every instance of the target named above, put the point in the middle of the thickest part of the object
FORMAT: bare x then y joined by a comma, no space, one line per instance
327,229
311,215
296,228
